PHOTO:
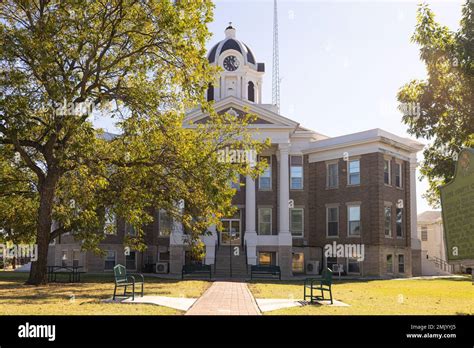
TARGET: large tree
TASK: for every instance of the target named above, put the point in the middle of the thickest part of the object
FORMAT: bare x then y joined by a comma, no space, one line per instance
142,62
445,100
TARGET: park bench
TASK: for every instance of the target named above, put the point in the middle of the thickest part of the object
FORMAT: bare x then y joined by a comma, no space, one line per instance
72,272
322,284
124,280
265,270
196,269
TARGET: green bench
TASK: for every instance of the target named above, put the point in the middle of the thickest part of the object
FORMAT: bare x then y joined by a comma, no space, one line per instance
322,284
196,268
264,270
124,280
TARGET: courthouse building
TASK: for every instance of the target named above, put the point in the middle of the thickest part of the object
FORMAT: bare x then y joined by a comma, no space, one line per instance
357,189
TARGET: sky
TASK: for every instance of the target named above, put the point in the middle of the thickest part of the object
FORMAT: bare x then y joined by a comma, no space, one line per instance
341,62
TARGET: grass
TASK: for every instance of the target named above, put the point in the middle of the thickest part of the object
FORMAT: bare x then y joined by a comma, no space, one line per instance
84,298
379,297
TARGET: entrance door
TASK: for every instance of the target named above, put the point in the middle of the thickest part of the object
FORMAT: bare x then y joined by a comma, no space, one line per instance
230,234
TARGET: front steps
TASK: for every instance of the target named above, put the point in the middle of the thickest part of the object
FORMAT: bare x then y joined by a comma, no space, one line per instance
229,265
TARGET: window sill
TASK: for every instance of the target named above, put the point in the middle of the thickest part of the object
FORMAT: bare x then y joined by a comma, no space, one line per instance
348,236
332,188
387,185
353,185
389,237
332,237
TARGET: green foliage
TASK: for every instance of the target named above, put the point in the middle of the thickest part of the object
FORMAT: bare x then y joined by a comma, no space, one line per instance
446,97
143,63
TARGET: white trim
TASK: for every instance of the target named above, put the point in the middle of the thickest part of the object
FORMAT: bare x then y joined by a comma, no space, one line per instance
398,264
331,206
271,221
302,222
349,173
347,266
389,160
400,166
302,173
330,163
270,164
350,205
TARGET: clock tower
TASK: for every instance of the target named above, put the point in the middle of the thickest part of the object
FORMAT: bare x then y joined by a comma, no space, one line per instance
241,75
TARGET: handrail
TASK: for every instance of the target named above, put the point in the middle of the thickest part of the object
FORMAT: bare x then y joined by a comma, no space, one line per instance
442,264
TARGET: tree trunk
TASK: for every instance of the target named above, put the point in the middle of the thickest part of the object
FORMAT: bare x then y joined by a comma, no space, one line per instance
38,272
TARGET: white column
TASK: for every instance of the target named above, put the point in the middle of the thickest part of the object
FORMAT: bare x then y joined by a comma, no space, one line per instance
176,237
415,237
284,235
250,231
210,241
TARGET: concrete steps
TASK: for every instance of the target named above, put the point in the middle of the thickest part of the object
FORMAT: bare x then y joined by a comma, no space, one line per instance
223,264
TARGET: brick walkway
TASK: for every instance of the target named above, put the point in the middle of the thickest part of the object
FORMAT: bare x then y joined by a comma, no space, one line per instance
225,298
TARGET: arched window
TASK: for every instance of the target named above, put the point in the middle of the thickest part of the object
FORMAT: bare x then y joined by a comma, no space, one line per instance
251,91
210,92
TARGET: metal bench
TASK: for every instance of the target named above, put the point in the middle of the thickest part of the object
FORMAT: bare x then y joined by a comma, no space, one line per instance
124,280
265,270
196,269
323,284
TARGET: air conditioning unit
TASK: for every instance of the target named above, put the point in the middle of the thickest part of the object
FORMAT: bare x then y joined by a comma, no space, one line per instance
162,267
312,267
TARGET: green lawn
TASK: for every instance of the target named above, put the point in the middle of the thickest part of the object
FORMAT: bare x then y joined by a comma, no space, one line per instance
379,297
84,298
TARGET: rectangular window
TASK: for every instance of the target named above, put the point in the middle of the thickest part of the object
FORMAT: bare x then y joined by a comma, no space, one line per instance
165,223
332,175
110,223
424,233
330,262
353,266
388,221
64,258
386,172
267,258
296,222
354,172
109,260
297,263
399,222
265,221
131,261
75,258
389,264
353,214
398,174
296,172
332,222
265,180
401,264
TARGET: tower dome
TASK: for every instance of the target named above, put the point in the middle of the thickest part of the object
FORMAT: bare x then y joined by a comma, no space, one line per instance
231,43
241,75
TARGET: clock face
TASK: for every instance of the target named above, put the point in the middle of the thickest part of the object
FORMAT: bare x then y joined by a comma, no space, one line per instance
231,63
